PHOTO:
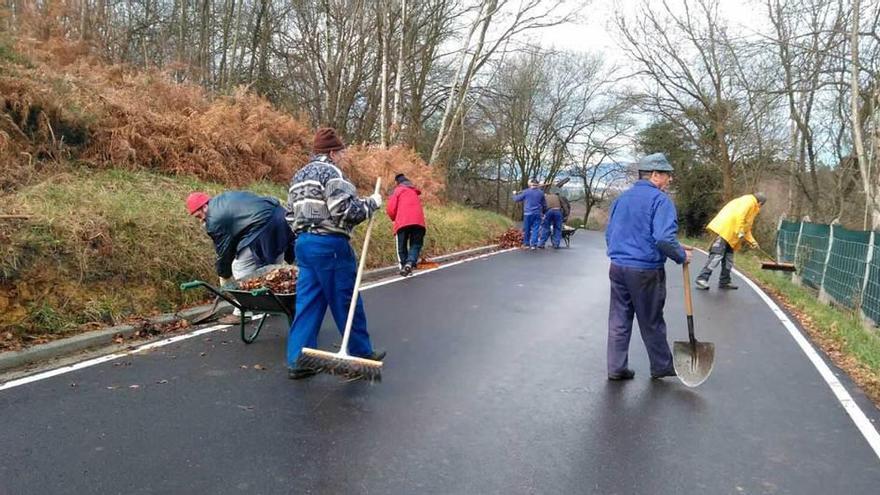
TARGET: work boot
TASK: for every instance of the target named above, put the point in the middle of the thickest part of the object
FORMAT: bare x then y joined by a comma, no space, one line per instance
669,372
407,269
300,372
626,374
728,286
377,356
403,271
702,284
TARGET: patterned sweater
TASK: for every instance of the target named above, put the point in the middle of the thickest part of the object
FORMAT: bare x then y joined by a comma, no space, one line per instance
321,200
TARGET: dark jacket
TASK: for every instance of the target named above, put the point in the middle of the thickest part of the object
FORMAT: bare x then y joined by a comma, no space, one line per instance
239,219
642,227
405,207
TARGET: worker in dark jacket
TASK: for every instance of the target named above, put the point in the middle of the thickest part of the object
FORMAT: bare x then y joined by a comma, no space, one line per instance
324,209
248,231
551,227
640,236
405,210
533,208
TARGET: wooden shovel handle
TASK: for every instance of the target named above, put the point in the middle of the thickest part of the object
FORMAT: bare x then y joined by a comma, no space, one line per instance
688,304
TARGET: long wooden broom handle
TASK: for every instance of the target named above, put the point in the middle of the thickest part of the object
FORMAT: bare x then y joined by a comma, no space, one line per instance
343,348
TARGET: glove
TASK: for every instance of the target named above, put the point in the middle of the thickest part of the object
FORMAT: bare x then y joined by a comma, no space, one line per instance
225,281
754,245
377,198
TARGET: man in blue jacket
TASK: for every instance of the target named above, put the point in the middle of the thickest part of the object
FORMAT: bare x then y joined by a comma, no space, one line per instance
641,235
533,209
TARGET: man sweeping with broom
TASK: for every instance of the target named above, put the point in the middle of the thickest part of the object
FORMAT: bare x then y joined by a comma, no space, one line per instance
733,228
324,209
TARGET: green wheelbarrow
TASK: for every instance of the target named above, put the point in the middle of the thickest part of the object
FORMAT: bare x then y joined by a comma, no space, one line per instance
258,301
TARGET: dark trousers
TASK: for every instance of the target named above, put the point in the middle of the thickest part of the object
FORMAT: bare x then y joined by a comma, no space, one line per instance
641,293
720,253
409,244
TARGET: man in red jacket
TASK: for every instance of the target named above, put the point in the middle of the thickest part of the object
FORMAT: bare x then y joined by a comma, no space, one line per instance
405,210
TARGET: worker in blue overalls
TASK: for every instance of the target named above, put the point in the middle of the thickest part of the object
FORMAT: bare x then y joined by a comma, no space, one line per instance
641,235
324,208
533,211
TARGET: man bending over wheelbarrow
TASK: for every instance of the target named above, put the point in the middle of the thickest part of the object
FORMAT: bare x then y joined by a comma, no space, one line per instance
249,232
324,208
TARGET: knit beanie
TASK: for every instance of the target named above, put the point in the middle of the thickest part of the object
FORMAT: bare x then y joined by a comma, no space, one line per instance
326,141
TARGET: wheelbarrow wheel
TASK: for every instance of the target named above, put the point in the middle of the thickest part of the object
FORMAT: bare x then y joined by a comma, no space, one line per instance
249,336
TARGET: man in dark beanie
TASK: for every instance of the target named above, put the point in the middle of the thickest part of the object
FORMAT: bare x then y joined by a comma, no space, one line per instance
324,209
405,210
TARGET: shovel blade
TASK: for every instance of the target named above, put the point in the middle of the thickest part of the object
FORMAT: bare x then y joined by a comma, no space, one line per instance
693,362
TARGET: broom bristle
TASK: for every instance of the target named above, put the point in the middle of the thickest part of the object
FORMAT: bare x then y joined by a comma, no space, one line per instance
334,364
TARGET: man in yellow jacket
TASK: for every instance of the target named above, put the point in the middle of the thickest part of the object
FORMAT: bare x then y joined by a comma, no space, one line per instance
733,226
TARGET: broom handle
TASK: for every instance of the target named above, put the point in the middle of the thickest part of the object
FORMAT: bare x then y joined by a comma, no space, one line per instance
688,304
343,348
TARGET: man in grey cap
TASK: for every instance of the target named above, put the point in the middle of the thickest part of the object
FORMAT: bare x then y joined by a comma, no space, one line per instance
641,235
733,228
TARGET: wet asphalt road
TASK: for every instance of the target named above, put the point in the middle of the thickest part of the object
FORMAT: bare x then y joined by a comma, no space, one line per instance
494,383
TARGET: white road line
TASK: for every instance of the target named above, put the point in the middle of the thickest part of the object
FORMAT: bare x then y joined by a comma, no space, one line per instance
161,343
849,405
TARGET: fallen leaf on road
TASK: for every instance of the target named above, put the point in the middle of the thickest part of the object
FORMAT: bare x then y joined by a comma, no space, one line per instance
244,367
203,354
246,408
113,387
162,382
73,384
134,386
259,367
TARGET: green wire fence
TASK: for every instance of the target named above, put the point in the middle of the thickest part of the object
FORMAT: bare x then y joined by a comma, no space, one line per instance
842,264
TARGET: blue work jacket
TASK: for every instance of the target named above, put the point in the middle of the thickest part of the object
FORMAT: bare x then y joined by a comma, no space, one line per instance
642,228
533,201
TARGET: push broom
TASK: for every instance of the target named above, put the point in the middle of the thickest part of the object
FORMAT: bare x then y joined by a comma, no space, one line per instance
342,363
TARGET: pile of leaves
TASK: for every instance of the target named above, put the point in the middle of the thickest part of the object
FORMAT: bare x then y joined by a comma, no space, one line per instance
366,163
281,281
510,239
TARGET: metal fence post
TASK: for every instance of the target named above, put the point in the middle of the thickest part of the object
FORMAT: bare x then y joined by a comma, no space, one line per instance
823,296
795,278
868,259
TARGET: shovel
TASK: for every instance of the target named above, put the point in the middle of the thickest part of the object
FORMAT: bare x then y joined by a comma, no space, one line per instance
693,360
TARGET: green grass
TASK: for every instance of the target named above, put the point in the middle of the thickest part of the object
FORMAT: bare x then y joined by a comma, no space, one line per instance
104,245
842,327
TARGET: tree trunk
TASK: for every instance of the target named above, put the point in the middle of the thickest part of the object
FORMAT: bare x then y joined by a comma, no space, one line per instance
398,76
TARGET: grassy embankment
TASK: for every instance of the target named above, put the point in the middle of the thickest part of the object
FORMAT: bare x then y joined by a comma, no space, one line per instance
100,246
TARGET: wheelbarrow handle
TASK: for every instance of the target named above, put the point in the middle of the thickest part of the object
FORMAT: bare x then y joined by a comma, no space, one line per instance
192,285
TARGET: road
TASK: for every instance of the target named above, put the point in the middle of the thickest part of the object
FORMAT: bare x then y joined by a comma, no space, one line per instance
494,383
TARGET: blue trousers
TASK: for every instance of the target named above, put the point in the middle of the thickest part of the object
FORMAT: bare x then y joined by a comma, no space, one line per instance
643,293
327,269
531,226
552,220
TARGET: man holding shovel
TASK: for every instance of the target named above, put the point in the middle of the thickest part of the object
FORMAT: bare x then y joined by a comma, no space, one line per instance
324,209
733,228
640,236
534,205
